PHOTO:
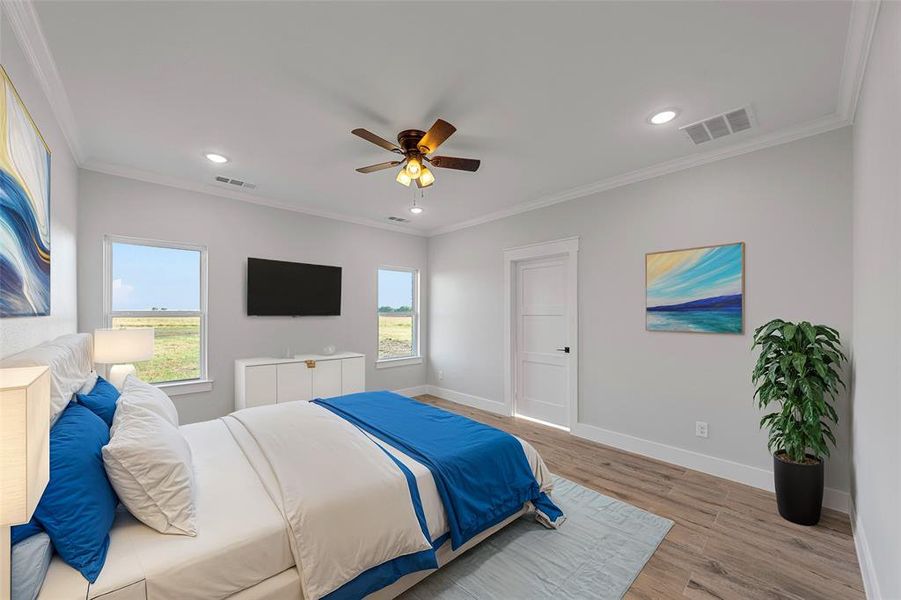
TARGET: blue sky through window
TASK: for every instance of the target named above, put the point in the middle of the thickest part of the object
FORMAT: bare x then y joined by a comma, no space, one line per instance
395,288
148,277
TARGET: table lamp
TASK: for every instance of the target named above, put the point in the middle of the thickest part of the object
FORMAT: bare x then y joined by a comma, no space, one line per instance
120,348
24,452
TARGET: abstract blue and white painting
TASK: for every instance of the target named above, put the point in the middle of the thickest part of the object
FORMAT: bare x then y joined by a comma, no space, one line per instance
700,289
24,210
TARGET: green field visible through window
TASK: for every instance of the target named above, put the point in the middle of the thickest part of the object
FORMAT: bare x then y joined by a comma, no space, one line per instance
395,336
176,353
397,299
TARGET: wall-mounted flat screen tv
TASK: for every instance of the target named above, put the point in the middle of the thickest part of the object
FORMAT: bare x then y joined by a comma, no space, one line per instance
280,288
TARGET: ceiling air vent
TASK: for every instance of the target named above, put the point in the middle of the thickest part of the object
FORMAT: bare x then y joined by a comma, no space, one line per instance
236,182
399,219
739,120
719,126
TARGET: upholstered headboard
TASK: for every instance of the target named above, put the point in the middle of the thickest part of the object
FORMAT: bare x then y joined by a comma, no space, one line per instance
70,358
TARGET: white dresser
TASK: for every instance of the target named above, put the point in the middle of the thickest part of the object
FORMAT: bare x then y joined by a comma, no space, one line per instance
260,381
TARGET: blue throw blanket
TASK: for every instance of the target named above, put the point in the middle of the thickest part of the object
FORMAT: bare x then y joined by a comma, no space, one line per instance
482,473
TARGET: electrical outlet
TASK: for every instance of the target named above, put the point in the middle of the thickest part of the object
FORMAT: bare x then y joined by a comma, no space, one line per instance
440,375
701,429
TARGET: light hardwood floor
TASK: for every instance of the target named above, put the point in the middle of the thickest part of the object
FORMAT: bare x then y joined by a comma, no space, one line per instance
728,541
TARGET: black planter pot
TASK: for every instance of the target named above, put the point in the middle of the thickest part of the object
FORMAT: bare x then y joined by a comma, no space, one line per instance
799,490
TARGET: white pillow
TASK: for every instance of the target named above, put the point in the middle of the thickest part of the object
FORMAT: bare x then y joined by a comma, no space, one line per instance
149,397
148,463
89,383
69,359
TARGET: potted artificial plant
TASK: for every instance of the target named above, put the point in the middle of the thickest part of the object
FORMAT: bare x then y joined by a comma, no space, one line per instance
798,374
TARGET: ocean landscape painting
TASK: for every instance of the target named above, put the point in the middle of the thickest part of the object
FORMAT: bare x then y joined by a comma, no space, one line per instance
696,290
24,210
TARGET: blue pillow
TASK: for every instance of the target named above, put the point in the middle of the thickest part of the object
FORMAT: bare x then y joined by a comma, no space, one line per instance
28,566
101,400
22,532
79,505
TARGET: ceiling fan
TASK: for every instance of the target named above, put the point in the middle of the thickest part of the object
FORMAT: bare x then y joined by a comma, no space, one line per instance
415,146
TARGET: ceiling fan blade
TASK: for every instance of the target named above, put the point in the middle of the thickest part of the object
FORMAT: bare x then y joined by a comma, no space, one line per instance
461,164
379,167
434,137
378,141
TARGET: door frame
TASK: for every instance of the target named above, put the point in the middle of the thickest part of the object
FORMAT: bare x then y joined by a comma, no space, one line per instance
568,247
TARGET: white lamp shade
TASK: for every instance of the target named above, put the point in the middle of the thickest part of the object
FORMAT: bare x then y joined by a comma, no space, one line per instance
24,441
116,346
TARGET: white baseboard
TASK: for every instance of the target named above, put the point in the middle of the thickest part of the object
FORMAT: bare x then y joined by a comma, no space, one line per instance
720,467
712,465
836,500
867,570
727,469
417,390
469,400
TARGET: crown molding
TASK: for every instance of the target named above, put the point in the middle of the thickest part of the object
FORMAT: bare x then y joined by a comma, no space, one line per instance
27,27
785,136
212,190
861,26
862,23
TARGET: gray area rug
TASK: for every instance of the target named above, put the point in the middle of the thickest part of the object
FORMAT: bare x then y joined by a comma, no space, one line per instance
597,554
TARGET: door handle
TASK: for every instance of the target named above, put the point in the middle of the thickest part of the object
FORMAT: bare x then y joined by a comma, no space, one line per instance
563,349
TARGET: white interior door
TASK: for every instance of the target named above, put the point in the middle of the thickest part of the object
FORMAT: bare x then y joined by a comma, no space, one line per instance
544,357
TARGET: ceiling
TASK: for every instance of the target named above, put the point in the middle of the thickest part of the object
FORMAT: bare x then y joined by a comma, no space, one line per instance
553,97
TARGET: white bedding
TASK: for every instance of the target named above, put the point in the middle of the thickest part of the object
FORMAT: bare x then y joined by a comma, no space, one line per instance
360,514
345,501
241,539
435,516
243,549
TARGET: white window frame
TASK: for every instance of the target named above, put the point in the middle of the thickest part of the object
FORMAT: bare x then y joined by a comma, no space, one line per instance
172,388
416,357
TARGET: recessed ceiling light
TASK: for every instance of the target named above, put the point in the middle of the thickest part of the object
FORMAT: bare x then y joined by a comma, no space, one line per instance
663,117
216,158
416,210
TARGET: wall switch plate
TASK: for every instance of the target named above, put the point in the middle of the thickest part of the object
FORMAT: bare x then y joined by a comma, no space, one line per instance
440,375
701,429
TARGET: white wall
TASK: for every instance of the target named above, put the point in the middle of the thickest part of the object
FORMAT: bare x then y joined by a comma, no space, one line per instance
791,204
19,333
876,433
232,231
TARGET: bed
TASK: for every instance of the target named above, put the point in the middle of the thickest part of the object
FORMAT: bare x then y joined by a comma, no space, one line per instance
258,496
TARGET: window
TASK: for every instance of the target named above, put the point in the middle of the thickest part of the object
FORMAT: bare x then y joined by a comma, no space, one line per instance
160,285
398,312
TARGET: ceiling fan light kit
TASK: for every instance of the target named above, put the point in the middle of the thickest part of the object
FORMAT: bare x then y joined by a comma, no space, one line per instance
414,167
415,146
426,178
403,178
